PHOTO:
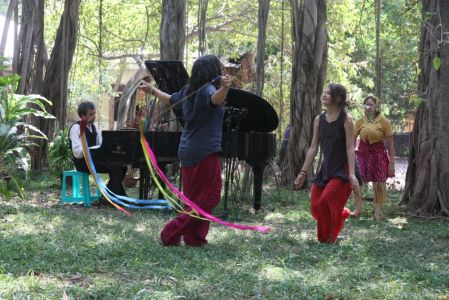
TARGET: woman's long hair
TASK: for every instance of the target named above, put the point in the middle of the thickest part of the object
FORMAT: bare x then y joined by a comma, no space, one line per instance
204,70
338,91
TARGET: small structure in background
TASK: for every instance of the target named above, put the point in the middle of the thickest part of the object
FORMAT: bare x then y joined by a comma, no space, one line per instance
241,69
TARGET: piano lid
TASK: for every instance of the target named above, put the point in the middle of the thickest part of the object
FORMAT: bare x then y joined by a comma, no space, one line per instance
170,75
261,116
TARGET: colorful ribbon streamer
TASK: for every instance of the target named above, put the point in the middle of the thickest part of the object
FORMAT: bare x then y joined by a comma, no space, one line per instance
152,162
155,171
118,201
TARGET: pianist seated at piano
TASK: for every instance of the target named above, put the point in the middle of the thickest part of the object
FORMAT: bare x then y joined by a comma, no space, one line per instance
94,140
201,105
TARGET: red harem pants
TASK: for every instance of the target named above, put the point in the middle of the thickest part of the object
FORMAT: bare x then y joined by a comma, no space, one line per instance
328,208
202,185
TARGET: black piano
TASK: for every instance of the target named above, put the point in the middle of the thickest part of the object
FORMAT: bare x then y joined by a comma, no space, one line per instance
248,123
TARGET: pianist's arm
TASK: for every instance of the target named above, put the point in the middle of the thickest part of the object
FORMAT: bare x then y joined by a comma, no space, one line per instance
99,138
77,148
76,141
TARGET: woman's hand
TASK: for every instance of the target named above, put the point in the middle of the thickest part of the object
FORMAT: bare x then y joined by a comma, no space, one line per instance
147,88
354,182
299,181
225,81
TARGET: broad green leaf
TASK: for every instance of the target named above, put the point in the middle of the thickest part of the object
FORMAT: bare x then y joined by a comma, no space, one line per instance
436,62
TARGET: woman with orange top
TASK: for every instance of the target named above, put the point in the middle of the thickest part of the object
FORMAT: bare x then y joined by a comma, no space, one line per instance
375,160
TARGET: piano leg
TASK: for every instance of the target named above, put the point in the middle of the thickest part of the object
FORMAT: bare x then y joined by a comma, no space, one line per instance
258,179
116,175
143,183
146,182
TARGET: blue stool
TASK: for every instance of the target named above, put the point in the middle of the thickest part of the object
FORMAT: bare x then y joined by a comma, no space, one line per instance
80,189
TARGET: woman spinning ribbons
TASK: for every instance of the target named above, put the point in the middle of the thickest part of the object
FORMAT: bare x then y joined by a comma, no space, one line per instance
200,103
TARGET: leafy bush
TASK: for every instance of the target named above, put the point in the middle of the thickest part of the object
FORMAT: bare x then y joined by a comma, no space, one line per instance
15,132
60,154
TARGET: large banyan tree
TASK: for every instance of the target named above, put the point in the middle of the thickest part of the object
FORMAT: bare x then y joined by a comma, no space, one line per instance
308,72
427,182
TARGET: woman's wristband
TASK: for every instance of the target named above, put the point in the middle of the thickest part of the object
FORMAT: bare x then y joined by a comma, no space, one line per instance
303,172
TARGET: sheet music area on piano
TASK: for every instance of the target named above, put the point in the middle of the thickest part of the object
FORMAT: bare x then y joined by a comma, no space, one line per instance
248,123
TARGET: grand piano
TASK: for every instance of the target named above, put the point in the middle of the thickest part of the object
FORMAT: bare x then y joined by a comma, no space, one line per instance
248,123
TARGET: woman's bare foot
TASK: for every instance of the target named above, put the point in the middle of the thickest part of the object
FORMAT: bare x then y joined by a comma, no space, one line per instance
358,203
377,211
355,214
377,217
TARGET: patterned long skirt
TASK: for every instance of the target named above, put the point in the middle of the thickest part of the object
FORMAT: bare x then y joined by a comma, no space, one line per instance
373,161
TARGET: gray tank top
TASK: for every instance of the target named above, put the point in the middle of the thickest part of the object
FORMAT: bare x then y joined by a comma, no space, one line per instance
332,137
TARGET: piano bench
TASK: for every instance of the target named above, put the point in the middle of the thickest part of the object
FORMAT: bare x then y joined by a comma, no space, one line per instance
80,189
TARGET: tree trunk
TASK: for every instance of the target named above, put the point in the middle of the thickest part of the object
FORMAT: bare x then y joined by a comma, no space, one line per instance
11,6
202,12
26,53
378,56
309,38
281,84
264,8
54,86
41,51
172,35
58,68
172,39
427,180
15,58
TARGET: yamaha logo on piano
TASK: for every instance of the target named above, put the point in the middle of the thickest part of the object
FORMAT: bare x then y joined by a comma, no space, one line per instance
118,151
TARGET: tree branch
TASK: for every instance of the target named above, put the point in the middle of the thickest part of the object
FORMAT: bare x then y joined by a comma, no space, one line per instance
124,40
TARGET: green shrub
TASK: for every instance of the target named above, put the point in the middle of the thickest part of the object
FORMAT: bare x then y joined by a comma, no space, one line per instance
15,132
60,154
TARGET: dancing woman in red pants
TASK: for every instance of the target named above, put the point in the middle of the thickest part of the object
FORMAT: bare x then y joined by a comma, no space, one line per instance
333,130
201,105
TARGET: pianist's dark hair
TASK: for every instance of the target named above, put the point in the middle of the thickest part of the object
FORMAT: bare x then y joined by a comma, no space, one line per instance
204,70
84,107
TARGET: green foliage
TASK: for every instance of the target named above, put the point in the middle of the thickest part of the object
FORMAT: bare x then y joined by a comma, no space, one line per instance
2,63
123,31
232,27
10,186
232,31
15,132
416,100
352,53
60,154
272,85
436,63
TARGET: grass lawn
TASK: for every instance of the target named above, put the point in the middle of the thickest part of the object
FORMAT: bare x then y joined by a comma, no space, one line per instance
53,252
